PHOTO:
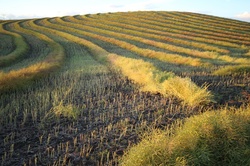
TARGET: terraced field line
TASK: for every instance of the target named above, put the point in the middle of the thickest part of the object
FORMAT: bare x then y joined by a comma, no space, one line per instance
57,54
54,60
177,49
166,23
234,24
210,23
204,28
181,26
171,27
104,25
168,47
153,79
189,52
54,31
20,50
171,58
149,28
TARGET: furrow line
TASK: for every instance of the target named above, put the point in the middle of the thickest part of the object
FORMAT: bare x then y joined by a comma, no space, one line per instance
155,81
210,23
18,78
179,42
171,58
149,28
171,26
202,25
175,49
168,47
20,51
214,19
162,21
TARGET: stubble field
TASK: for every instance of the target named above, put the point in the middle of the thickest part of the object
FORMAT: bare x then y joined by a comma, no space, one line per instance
81,90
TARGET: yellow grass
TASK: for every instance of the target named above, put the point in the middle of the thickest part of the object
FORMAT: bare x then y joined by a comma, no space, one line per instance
19,52
155,81
218,137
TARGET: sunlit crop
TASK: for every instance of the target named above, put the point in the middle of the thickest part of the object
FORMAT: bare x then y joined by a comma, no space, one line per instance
83,90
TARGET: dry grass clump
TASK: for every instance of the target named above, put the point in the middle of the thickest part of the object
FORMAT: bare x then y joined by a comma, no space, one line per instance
188,91
213,138
155,81
228,70
141,72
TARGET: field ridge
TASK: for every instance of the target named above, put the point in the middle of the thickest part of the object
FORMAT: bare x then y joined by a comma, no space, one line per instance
82,90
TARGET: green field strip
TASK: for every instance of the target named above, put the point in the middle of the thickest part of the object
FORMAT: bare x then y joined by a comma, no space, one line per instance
187,52
122,36
108,92
202,25
37,52
156,29
154,34
214,19
6,44
18,78
80,80
179,70
39,49
80,61
186,27
172,58
118,61
211,23
21,48
172,25
230,59
149,28
57,54
164,66
171,40
190,27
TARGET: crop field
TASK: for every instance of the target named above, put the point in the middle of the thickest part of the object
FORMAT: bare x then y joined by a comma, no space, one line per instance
82,90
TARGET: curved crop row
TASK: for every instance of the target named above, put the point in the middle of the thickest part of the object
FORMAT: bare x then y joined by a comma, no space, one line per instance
194,25
57,55
154,80
221,24
168,47
171,58
149,28
177,49
225,58
21,48
166,25
180,42
234,24
117,79
16,78
186,27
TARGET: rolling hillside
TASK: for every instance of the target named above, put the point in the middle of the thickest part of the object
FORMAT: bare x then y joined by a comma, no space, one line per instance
81,89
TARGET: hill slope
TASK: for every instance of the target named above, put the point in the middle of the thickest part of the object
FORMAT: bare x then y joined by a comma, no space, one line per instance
81,88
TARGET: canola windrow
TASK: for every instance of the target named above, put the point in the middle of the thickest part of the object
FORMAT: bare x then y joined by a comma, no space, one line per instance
21,48
154,80
19,78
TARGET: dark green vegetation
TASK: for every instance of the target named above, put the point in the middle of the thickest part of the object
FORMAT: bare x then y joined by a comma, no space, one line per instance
81,90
